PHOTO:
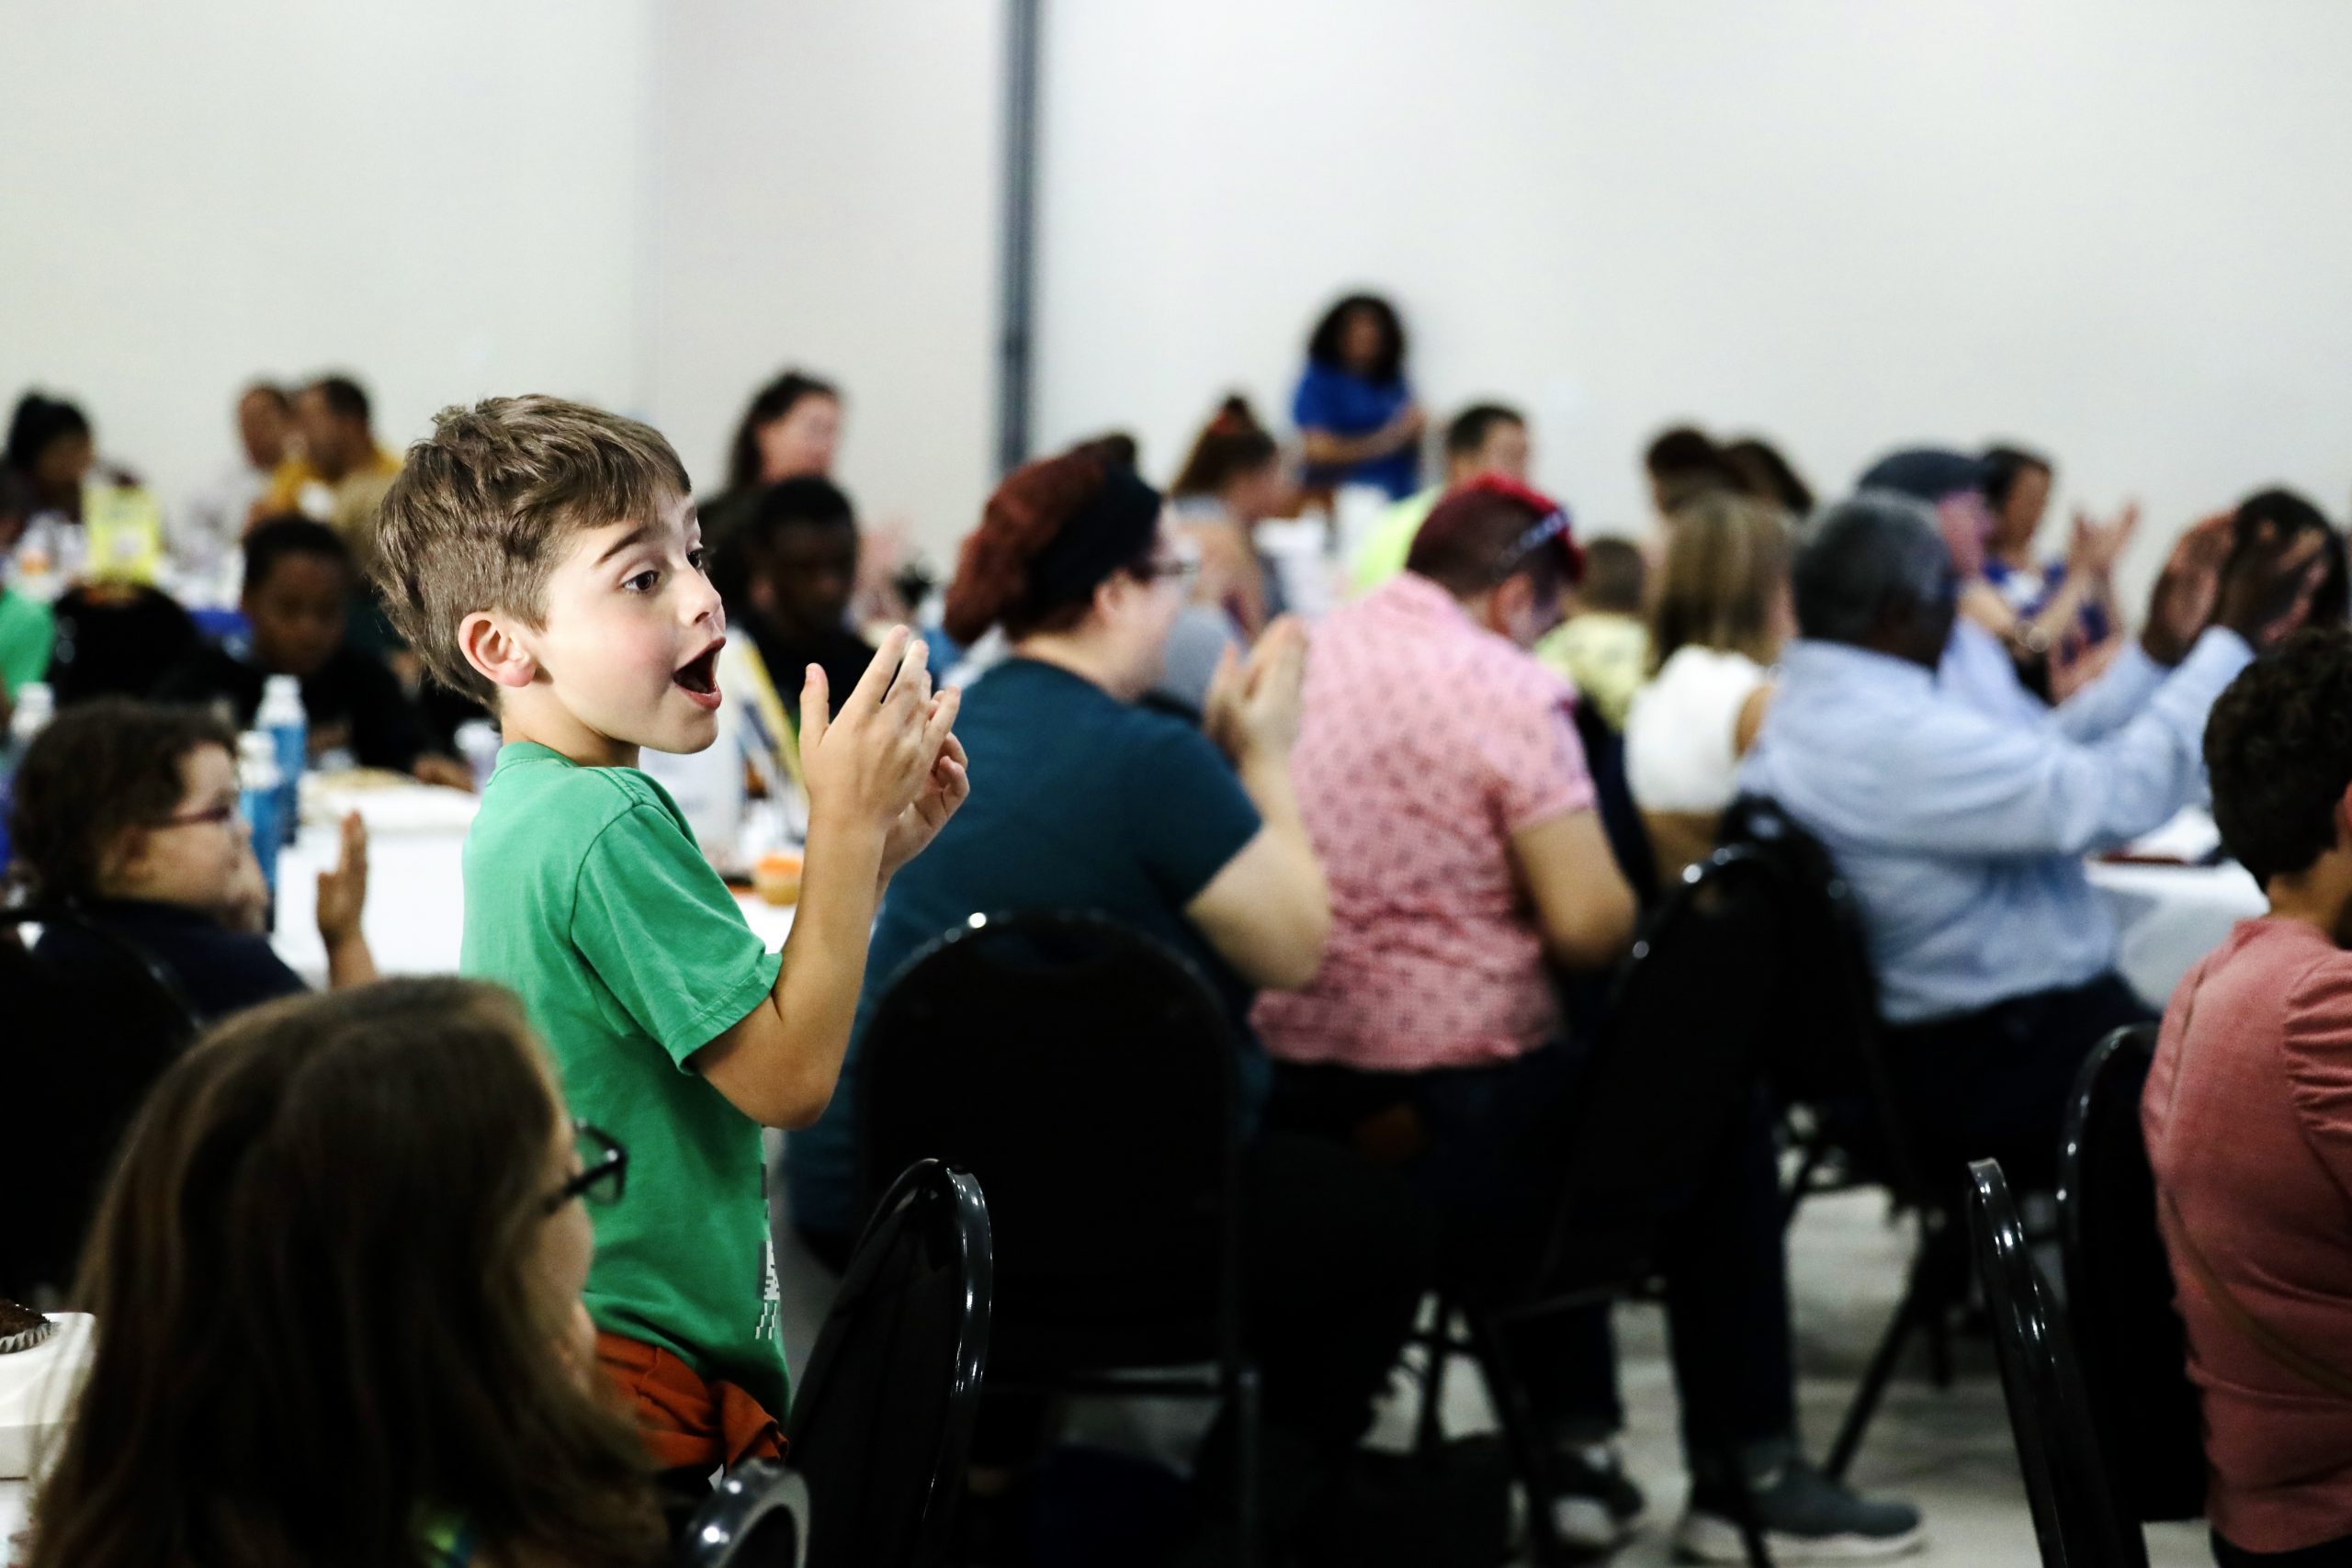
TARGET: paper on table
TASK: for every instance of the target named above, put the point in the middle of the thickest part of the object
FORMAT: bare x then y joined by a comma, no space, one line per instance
2191,838
399,806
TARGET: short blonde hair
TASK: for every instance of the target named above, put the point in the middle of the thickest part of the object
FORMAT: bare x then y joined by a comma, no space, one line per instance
1726,562
483,507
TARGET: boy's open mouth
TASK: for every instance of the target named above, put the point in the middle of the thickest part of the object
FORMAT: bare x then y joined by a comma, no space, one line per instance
698,676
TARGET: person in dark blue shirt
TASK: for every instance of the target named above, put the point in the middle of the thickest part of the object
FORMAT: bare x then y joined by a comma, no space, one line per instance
1086,800
1356,416
126,813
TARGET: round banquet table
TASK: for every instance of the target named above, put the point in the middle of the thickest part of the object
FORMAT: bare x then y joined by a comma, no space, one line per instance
2168,916
415,914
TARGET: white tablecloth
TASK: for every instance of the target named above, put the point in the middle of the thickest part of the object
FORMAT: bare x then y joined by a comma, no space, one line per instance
417,903
2168,916
14,1500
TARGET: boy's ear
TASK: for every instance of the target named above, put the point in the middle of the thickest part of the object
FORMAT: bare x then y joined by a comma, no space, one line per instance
496,652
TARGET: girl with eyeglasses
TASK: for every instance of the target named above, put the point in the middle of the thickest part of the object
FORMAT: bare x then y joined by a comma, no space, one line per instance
126,813
337,1286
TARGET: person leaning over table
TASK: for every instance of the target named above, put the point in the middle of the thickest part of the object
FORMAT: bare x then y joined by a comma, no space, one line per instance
1962,833
2248,1118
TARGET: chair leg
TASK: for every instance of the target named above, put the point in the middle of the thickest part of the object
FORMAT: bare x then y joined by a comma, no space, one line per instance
1429,1429
1523,1434
1923,1297
1751,1530
1245,1492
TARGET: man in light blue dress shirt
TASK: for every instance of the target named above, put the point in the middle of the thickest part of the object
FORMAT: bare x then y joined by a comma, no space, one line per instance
1961,818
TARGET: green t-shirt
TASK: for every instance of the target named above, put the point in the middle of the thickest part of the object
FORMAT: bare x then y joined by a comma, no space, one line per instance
584,893
1380,554
27,632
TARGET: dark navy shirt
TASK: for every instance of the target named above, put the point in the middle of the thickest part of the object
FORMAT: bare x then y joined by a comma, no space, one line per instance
219,971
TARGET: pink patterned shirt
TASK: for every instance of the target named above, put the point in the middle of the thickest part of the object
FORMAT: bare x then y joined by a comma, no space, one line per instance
1427,742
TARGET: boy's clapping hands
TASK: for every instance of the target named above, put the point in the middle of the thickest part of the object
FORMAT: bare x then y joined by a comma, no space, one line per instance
888,761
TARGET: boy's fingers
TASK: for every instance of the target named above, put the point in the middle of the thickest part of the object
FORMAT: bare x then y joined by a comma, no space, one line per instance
880,671
914,684
939,729
813,714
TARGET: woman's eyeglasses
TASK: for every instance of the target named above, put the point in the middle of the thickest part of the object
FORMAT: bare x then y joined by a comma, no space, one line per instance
604,1169
1177,568
212,816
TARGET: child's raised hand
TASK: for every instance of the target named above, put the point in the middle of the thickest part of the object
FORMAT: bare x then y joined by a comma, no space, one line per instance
869,762
343,892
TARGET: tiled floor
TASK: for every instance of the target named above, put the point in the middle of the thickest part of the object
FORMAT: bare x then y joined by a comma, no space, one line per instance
1946,1450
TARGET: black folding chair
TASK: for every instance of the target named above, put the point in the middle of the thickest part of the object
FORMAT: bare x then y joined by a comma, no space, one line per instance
1087,1076
881,1425
2119,1291
81,1048
1680,1061
748,1523
1845,1122
2075,1516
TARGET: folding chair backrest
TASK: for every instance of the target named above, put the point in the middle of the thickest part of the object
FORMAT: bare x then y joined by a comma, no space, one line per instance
1087,1076
2120,1290
881,1424
2075,1518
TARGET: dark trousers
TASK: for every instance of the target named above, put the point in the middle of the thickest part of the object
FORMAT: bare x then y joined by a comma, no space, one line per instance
1335,1256
1456,1135
1993,1085
2327,1554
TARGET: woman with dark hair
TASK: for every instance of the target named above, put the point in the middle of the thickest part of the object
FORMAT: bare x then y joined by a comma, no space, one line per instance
1192,835
1356,417
789,432
1231,481
51,454
342,1308
1770,478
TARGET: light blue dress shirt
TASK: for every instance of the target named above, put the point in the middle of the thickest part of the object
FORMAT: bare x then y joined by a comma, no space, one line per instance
1961,816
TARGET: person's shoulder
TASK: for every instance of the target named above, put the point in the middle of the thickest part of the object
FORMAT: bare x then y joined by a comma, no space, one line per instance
545,805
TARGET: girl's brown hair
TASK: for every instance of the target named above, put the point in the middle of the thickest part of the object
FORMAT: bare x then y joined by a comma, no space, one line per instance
99,770
1229,446
1726,563
313,1274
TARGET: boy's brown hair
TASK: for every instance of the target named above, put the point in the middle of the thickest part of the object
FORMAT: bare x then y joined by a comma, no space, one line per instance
485,505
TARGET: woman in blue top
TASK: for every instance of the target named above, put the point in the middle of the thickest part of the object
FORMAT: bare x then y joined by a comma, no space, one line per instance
1357,421
1192,835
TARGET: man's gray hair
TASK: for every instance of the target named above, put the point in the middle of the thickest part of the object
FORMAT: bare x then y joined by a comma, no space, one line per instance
1862,557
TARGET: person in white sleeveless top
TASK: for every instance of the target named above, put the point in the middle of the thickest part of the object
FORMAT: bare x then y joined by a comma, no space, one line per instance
1720,614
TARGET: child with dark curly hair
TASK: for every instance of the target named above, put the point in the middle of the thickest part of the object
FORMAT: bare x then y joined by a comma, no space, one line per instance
2248,1115
126,813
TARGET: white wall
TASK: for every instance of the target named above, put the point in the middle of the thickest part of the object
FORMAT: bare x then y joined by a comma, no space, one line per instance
2113,229
442,196
827,200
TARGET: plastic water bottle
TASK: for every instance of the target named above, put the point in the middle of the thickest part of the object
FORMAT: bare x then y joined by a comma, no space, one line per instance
261,797
283,720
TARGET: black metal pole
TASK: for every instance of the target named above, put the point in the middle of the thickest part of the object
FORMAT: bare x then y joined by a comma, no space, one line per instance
1019,260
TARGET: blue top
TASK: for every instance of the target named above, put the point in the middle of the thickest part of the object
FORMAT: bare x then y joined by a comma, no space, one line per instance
1962,829
218,970
1346,404
1079,801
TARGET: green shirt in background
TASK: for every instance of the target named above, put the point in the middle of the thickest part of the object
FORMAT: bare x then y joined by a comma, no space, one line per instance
1381,554
27,632
1605,654
585,894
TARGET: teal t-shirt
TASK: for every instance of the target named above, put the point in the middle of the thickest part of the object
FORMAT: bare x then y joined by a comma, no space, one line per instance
585,894
1079,801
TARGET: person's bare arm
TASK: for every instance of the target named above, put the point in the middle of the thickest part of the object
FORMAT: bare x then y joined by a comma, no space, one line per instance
1750,722
1583,911
1334,450
1267,910
866,768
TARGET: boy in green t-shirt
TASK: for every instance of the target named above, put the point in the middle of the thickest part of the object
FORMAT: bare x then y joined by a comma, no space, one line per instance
545,558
